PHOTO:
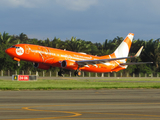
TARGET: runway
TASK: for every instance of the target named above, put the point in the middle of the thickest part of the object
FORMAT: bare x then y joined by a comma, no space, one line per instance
116,104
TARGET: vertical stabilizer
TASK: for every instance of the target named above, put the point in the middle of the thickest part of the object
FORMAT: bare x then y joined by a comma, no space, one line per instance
124,48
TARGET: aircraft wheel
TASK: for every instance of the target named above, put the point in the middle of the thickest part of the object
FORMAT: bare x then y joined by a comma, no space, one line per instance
61,73
18,63
77,73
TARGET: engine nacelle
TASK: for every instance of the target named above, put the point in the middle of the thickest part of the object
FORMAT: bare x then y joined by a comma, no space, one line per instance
67,64
41,66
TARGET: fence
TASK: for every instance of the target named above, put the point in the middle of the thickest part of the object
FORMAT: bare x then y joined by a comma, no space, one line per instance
71,74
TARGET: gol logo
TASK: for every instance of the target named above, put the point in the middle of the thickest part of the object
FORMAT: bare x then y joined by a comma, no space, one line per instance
19,51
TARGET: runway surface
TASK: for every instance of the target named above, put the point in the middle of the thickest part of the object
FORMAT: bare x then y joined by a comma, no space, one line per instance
114,104
108,79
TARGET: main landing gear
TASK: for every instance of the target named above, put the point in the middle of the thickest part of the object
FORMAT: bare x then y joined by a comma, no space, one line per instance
76,73
61,73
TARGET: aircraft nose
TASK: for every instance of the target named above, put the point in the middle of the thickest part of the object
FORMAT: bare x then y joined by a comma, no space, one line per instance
9,51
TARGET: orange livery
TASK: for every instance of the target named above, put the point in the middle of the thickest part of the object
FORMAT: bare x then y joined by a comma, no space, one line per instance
45,57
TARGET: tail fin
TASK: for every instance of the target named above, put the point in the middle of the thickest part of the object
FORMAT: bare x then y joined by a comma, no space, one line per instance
124,48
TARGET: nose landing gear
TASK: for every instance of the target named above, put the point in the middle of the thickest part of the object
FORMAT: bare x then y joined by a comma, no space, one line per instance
18,63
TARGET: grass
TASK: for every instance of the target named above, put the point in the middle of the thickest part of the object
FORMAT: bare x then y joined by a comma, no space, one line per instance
79,84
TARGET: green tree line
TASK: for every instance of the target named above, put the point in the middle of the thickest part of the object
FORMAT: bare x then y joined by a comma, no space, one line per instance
151,51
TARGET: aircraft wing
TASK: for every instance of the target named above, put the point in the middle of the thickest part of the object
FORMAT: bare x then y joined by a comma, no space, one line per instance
92,62
101,61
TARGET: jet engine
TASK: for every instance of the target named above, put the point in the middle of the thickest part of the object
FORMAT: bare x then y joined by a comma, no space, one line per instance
41,66
68,64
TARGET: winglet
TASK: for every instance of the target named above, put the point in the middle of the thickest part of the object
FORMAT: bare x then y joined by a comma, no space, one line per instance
139,52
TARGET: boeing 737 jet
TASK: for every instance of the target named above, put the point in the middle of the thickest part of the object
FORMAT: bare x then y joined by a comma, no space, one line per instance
45,57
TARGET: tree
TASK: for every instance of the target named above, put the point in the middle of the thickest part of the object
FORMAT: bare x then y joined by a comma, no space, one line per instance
4,41
57,43
23,38
152,52
48,43
5,38
78,45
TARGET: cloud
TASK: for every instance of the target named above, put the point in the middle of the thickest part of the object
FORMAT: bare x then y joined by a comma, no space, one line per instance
16,3
23,3
77,5
82,5
87,19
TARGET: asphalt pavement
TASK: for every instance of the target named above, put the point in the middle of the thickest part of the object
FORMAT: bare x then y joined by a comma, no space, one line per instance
116,104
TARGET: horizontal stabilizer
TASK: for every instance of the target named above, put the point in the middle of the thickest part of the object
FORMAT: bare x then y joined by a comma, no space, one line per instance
136,63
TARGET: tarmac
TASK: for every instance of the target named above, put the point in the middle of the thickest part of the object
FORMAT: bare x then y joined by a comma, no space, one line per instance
109,79
113,104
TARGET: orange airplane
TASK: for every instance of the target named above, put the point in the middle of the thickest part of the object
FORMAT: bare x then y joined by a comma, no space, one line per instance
45,57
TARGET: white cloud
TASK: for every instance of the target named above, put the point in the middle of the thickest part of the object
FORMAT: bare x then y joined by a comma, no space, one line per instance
16,3
23,3
78,5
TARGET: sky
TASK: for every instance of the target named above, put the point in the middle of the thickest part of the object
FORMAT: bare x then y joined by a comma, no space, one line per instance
89,20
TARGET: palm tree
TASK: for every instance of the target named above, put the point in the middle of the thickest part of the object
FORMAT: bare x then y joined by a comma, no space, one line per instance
48,43
33,41
57,43
78,45
152,52
5,38
4,41
23,38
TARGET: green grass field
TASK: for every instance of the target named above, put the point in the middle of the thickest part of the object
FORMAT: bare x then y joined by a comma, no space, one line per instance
69,84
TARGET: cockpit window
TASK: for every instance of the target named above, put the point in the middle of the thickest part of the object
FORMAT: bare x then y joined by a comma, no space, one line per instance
15,47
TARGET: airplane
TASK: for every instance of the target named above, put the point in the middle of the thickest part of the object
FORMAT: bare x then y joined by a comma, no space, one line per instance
46,57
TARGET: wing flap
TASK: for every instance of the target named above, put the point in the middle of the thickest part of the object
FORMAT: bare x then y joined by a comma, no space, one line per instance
86,62
136,63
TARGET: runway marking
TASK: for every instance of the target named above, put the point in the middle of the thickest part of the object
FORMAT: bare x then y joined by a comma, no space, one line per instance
142,115
96,112
76,114
108,113
26,108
